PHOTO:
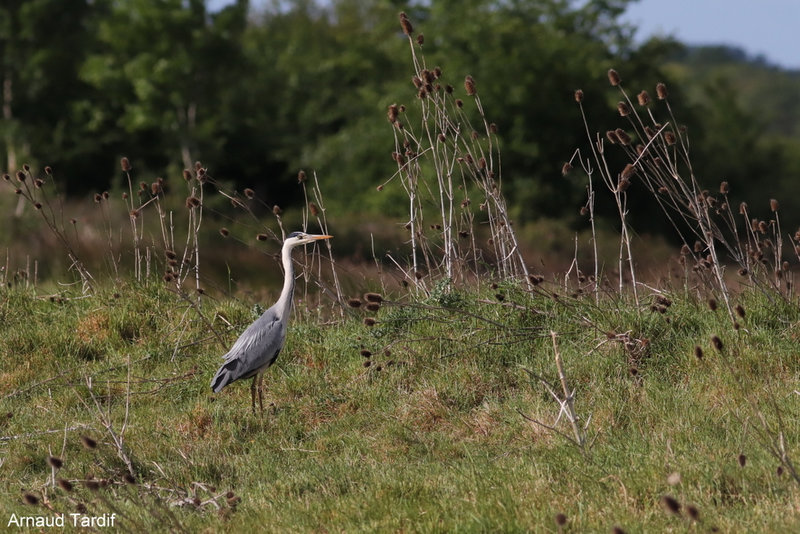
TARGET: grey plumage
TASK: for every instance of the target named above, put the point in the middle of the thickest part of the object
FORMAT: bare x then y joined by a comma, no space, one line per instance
259,345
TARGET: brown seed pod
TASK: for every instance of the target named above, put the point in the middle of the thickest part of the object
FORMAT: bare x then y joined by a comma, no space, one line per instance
579,95
613,77
661,91
125,164
469,85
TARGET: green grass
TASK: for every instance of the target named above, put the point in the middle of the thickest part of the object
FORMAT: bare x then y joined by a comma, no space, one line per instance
428,438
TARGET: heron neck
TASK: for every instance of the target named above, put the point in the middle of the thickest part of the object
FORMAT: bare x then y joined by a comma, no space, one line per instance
285,300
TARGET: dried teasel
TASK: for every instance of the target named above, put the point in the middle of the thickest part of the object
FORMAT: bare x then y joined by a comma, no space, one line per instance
301,176
469,85
773,205
717,342
249,193
628,171
611,135
313,209
643,98
579,95
125,164
566,168
623,136
55,462
276,210
224,232
373,297
192,202
261,237
724,188
354,303
623,109
613,77
420,39
392,112
671,504
669,138
661,91
405,24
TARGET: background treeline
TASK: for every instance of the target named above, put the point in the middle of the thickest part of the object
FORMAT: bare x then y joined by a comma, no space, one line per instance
258,91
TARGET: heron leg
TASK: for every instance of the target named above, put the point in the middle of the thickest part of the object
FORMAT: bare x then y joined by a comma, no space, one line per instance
253,394
261,391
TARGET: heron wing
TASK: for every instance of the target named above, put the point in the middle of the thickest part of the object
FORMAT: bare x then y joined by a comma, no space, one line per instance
259,344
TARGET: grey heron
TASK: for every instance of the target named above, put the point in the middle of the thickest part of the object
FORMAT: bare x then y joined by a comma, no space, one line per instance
258,346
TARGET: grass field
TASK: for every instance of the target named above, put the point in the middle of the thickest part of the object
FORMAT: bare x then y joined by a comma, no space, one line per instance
419,423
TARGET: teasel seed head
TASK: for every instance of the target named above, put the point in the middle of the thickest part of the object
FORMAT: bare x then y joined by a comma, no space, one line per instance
743,208
55,462
717,342
644,98
724,188
249,193
623,136
125,164
628,171
611,135
192,202
392,112
66,485
372,306
420,39
369,321
671,504
469,85
261,237
38,183
698,352
224,232
613,77
661,91
623,109
97,198
129,479
48,170
276,210
712,304
313,209
566,168
740,311
301,176
773,205
405,24
6,177
692,512
21,176
30,498
742,460
354,303
92,484
561,520
37,205
617,530
670,138
373,297
579,95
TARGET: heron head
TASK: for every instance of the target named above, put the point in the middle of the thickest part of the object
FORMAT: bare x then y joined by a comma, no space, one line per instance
301,238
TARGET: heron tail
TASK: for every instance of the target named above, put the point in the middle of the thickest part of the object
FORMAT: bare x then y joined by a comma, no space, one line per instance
225,375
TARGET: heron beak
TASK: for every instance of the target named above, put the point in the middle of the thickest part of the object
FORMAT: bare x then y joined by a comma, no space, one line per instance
316,237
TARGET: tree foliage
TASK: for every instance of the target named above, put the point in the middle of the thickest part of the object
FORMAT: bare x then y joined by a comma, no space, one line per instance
259,91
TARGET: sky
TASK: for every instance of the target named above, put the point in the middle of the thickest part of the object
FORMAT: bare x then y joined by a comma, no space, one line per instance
770,28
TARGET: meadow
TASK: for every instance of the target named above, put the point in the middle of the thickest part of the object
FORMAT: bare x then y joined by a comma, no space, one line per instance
450,387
